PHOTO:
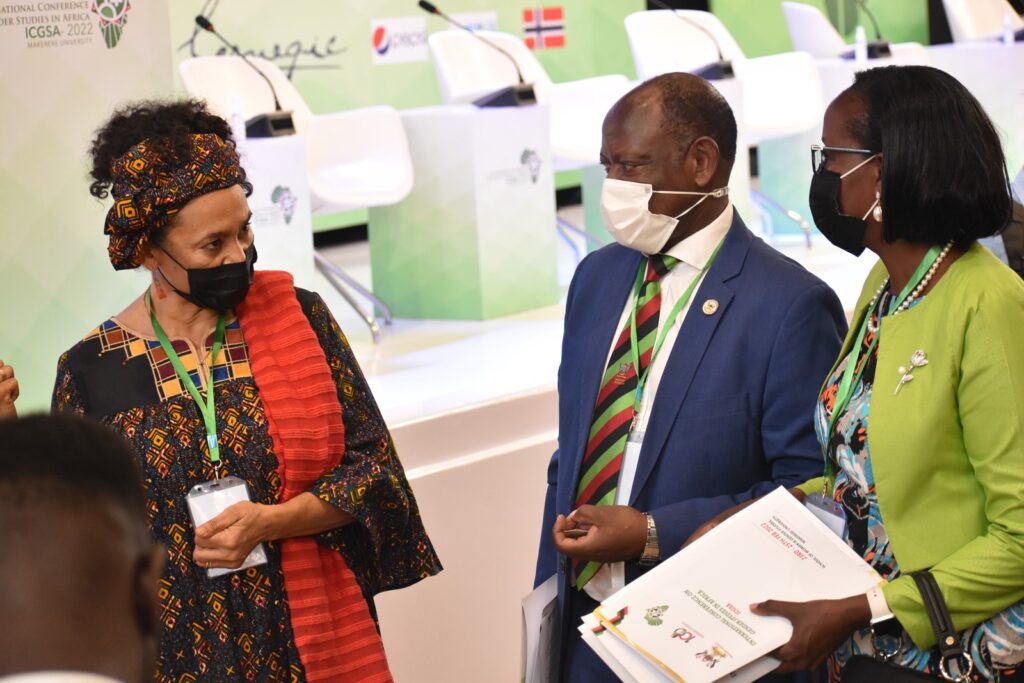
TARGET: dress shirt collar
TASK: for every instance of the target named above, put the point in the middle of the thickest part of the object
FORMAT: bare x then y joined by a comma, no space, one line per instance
696,249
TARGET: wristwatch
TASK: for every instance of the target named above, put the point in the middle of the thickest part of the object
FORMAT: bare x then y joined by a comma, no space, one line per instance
652,553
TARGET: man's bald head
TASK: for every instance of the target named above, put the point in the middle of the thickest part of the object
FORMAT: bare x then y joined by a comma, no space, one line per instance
685,108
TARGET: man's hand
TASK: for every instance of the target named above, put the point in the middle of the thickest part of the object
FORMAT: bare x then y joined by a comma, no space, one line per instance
9,391
611,533
819,626
227,539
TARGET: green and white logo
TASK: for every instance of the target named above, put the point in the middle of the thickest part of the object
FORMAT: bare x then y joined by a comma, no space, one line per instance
113,16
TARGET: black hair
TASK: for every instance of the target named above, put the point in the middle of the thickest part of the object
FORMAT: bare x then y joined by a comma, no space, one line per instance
61,460
691,111
943,170
166,123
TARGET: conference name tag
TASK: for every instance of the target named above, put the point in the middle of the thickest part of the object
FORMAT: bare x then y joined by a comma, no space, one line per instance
209,499
828,511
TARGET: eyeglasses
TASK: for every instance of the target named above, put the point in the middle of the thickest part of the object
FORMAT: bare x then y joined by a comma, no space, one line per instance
819,154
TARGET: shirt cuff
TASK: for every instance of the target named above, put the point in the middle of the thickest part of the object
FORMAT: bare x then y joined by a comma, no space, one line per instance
879,607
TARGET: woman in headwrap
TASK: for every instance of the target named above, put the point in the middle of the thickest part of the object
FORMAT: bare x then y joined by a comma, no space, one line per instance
218,371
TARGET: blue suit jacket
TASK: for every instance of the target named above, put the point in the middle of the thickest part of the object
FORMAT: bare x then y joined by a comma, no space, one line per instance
733,415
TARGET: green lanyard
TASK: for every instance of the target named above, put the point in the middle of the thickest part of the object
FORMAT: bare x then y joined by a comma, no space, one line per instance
851,375
641,380
207,408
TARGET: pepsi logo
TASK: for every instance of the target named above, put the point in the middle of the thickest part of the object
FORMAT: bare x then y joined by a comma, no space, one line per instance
381,40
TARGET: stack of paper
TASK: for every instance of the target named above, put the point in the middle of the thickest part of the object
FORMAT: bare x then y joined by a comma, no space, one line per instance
689,619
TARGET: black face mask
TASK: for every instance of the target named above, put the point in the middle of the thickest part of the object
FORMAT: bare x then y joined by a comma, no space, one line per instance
221,287
846,232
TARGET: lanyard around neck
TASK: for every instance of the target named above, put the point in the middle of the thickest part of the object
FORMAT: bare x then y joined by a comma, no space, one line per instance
641,378
852,374
205,408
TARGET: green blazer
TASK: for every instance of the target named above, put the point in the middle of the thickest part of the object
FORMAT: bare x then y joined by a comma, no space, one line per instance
947,450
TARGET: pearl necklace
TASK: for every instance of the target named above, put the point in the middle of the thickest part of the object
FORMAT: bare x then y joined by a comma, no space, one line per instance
921,286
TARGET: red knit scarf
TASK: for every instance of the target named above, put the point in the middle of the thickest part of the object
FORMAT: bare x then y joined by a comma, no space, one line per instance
334,633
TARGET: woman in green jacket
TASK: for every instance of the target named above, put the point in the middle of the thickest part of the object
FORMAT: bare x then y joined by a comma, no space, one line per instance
924,435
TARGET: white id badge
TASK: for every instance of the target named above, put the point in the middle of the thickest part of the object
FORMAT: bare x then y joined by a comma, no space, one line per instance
829,512
209,499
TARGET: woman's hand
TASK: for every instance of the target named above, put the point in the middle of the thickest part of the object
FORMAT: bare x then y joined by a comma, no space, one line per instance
819,626
9,391
227,539
726,514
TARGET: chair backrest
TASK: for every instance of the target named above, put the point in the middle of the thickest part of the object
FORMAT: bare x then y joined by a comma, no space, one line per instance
663,41
228,84
466,68
811,31
975,19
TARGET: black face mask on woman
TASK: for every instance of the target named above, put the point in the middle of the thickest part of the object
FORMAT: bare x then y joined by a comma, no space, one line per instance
221,287
846,232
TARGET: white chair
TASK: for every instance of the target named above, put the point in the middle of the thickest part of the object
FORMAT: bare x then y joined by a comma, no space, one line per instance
466,69
782,93
356,159
980,19
811,31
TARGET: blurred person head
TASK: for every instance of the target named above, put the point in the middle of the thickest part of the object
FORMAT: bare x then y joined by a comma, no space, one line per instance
179,194
909,154
78,571
668,147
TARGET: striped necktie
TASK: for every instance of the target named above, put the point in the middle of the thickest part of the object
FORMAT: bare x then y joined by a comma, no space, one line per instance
614,412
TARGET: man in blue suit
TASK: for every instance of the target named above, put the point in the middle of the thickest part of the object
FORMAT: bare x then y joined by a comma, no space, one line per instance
691,360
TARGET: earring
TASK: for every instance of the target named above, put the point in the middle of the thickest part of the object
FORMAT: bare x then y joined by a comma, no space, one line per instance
160,293
876,213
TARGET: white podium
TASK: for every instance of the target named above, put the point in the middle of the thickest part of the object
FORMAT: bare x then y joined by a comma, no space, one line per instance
281,217
475,239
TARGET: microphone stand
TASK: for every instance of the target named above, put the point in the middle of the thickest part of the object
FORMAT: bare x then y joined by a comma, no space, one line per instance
518,95
271,124
715,71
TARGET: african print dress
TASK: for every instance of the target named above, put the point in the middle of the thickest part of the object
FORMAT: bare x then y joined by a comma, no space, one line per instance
996,645
237,627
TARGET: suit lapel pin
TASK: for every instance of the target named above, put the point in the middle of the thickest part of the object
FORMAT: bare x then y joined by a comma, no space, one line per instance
917,360
710,306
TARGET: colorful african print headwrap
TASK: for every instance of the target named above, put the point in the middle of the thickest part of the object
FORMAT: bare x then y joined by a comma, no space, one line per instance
151,184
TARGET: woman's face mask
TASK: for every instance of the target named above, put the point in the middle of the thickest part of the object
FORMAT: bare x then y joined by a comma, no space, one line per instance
220,288
624,206
846,232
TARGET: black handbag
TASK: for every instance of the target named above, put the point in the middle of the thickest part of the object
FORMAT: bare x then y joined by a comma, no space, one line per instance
878,669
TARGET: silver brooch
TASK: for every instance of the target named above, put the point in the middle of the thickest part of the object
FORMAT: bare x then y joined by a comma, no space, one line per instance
917,360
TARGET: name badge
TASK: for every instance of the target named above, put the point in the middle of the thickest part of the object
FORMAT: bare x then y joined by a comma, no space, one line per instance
209,499
829,512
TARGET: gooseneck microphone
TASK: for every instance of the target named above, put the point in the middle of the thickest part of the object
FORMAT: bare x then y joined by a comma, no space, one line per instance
512,96
716,71
262,125
879,47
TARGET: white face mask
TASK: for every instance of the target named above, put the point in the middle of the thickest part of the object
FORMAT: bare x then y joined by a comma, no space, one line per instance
624,206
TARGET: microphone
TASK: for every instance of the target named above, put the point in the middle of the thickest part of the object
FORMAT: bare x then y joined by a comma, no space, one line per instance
877,47
268,125
716,71
512,96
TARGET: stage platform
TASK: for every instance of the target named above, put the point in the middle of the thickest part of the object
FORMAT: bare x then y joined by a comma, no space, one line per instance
473,410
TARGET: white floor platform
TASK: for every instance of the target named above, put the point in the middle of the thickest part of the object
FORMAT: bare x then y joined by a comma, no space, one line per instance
473,409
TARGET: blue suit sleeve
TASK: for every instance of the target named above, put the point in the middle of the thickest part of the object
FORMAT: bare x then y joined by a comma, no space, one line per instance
547,556
805,347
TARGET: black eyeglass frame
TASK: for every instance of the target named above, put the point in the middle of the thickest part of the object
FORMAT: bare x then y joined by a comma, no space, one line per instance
819,154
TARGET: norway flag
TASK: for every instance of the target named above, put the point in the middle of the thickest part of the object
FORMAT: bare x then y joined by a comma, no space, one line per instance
544,27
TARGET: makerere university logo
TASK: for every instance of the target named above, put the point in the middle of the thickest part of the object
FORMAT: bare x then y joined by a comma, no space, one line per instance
113,16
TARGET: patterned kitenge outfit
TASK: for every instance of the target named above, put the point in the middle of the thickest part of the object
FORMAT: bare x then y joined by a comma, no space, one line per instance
996,645
237,627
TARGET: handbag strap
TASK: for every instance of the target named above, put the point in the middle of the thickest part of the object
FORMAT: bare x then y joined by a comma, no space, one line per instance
942,624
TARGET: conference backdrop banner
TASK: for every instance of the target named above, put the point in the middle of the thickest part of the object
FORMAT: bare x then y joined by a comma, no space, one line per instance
66,63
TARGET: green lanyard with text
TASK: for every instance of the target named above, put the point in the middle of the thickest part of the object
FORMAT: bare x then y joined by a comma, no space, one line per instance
207,408
851,375
641,380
